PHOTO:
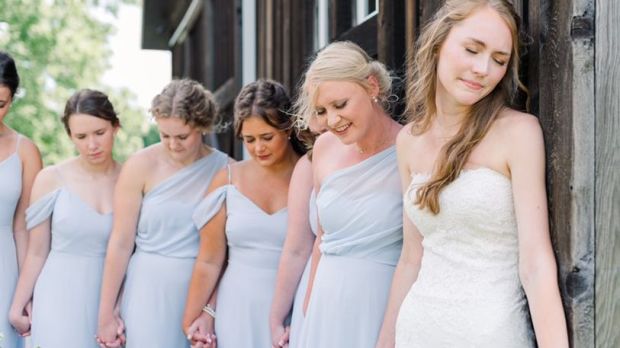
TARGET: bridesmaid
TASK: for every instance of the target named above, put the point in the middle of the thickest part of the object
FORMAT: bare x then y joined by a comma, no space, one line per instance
246,212
157,191
20,162
69,223
358,200
294,268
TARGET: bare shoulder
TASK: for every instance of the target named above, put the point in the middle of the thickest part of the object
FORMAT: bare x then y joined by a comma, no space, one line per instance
517,127
27,149
325,142
142,161
47,180
219,179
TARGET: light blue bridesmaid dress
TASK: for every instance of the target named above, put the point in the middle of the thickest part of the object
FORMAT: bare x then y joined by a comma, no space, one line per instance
360,209
11,188
160,269
66,295
245,292
297,317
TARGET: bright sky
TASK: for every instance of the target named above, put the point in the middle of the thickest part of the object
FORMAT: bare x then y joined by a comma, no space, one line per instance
145,72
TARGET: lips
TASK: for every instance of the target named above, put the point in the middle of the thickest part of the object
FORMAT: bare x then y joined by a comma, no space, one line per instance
473,85
263,157
341,128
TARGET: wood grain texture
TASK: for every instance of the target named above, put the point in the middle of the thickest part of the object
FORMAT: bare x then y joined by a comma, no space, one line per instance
607,312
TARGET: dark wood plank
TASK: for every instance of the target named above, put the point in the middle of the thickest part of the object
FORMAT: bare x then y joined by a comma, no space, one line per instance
607,313
566,97
391,34
340,17
364,35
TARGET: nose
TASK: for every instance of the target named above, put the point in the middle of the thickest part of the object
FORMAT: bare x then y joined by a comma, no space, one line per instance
332,118
92,143
480,65
260,145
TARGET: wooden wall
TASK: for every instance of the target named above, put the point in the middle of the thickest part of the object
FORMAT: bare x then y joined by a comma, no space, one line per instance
607,178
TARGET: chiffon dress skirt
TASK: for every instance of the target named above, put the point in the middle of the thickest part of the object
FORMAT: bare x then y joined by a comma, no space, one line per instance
66,295
10,186
297,317
160,269
360,209
245,292
468,292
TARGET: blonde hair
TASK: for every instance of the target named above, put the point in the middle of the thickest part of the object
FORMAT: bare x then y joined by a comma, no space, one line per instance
188,100
340,61
421,107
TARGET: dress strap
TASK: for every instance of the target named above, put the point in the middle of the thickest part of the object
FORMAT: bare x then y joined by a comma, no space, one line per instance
17,142
229,174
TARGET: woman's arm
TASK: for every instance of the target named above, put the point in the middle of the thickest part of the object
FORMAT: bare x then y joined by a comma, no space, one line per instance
31,164
210,260
127,201
537,267
37,252
411,255
297,247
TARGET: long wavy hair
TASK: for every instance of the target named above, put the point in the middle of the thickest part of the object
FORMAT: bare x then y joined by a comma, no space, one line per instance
421,107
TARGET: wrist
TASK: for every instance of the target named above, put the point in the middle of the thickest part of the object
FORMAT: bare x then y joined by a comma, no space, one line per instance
208,309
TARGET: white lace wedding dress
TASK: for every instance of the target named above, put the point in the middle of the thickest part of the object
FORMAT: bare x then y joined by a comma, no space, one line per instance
468,292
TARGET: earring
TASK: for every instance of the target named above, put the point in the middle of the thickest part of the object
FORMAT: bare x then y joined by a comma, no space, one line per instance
289,137
375,99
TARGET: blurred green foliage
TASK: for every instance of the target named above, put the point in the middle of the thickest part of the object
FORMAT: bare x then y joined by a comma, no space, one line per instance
59,47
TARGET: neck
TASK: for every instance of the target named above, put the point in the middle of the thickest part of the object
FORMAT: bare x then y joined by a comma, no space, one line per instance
197,154
100,169
379,137
449,116
284,166
3,129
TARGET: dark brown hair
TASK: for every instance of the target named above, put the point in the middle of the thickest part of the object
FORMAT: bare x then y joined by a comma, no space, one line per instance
8,73
268,100
89,102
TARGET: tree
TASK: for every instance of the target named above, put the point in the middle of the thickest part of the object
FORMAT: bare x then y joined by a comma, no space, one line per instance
59,47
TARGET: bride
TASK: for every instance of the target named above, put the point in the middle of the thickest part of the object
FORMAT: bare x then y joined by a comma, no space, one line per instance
476,239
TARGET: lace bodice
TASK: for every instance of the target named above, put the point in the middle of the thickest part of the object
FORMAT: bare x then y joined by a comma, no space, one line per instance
468,288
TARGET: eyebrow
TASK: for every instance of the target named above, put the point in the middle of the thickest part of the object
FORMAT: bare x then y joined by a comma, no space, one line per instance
480,43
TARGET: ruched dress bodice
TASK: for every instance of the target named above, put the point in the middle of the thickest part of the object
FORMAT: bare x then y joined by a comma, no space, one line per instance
360,212
166,247
468,292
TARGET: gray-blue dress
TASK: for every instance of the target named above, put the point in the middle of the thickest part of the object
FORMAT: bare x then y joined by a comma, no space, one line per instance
167,243
66,295
360,209
245,292
297,317
11,188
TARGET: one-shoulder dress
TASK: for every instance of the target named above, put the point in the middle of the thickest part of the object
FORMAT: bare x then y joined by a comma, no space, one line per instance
65,302
468,292
11,188
360,210
160,269
245,292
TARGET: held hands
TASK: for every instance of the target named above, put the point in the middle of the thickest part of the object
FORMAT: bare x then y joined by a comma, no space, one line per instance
111,333
280,336
201,333
21,319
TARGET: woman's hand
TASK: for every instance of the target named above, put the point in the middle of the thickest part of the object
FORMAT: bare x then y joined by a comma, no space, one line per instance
21,319
110,333
201,333
280,336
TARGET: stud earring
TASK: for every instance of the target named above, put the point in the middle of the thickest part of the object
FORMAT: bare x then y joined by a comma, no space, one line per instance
375,99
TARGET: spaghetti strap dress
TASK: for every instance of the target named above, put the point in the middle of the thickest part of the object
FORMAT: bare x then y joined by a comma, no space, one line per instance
160,269
66,294
360,210
11,188
245,292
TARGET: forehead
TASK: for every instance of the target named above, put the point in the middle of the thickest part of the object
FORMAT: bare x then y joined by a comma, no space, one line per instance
485,25
328,91
84,123
256,125
173,125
